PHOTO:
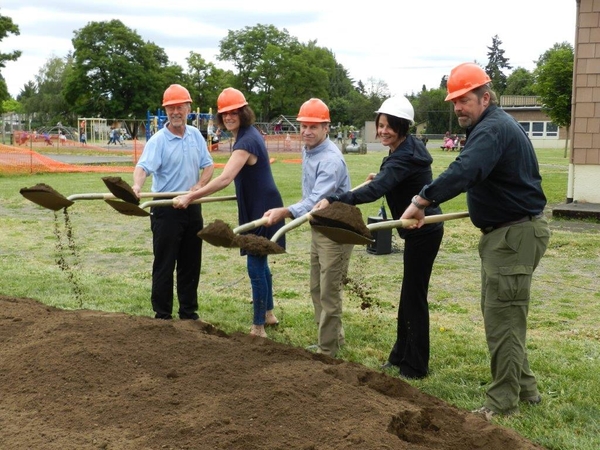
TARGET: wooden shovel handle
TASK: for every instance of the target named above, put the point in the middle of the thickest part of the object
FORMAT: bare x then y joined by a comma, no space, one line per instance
200,200
403,223
250,225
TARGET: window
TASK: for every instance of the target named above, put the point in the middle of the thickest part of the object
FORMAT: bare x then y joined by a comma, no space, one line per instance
537,130
551,130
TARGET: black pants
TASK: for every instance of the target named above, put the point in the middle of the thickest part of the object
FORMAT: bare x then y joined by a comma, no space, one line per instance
177,247
411,350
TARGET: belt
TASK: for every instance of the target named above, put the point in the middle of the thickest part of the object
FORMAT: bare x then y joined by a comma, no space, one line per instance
491,228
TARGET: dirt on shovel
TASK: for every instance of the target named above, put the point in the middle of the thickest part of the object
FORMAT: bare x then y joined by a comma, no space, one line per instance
218,233
121,189
257,245
46,196
341,215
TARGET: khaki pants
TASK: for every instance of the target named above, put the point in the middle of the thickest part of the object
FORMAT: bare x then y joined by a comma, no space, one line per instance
328,268
509,257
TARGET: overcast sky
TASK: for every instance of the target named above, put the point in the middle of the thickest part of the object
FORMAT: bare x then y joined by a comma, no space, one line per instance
406,44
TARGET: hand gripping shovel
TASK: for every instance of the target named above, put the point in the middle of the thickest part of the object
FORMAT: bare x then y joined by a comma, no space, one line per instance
346,236
45,196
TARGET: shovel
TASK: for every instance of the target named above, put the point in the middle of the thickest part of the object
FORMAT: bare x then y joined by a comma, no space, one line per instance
46,197
263,246
344,236
129,209
220,234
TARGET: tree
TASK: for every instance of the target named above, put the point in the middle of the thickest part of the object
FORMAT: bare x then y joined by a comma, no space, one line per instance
205,81
520,82
431,107
116,74
44,97
496,63
7,26
554,83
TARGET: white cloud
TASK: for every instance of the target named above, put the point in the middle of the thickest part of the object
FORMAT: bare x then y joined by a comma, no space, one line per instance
406,44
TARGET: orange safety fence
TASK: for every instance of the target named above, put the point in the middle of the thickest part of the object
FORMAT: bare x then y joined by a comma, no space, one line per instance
21,160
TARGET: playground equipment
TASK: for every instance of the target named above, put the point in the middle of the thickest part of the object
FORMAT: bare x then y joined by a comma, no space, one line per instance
198,119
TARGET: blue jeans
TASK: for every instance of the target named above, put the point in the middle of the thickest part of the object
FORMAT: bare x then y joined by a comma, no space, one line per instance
262,287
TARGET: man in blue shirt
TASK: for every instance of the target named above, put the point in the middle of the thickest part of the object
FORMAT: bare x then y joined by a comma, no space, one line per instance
174,157
324,173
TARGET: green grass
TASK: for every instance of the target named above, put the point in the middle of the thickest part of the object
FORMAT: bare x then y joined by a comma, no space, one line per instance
109,262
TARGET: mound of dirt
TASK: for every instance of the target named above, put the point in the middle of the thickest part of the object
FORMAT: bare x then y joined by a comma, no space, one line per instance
94,380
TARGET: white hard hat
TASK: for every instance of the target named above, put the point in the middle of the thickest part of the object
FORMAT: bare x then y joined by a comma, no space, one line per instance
398,106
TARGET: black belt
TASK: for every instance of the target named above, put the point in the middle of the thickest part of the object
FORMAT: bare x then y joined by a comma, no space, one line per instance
489,229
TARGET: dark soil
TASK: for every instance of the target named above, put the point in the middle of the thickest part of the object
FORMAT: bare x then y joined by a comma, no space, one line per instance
94,380
121,189
257,245
341,215
217,233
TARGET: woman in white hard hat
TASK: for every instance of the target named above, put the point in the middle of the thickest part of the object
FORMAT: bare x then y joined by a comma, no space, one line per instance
402,174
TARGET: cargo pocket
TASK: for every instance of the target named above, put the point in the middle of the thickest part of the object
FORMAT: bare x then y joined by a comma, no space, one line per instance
514,283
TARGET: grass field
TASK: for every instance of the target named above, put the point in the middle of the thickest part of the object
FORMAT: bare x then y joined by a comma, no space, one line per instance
106,263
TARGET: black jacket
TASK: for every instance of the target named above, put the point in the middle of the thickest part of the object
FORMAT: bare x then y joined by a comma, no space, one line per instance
497,168
402,174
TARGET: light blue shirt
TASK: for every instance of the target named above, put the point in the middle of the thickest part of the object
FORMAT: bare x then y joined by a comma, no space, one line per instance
324,173
173,161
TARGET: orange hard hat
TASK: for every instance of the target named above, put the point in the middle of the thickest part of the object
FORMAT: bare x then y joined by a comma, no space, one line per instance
230,99
464,78
313,110
176,94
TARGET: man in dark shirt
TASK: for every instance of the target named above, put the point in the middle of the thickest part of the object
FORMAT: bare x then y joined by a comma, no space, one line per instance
498,170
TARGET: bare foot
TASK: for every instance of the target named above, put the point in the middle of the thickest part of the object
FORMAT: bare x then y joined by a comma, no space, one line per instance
270,319
258,330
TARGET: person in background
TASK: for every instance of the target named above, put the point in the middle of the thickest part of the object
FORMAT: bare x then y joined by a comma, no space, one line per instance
498,169
178,159
249,168
324,173
402,175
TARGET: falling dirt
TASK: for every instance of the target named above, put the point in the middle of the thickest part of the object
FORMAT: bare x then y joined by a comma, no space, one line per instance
72,380
341,215
67,255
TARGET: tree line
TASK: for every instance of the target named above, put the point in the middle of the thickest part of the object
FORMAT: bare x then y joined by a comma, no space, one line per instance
114,73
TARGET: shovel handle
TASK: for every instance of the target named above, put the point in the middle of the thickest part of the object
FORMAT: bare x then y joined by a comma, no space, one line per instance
109,196
403,223
290,226
250,225
200,200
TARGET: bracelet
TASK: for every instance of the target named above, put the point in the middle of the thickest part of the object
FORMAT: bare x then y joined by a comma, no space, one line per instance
415,202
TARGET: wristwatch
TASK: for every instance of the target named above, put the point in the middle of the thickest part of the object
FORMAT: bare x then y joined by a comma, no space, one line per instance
415,202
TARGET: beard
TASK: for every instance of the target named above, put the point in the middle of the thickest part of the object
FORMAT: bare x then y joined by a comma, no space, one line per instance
465,121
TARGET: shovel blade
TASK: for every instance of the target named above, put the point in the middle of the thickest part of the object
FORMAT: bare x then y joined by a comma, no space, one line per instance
46,197
343,236
129,209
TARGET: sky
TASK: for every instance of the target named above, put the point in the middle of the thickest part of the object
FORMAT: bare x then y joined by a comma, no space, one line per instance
405,44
